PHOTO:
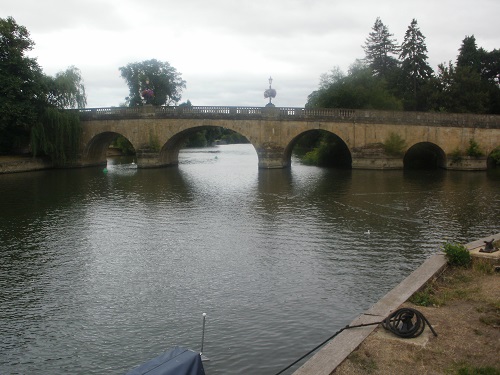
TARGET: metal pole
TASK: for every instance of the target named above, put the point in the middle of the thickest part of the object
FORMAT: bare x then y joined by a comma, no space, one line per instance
203,333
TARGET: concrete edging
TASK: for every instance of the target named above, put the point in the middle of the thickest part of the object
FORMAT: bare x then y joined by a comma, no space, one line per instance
336,351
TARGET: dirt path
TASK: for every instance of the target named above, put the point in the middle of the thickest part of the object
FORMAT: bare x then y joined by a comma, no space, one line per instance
464,309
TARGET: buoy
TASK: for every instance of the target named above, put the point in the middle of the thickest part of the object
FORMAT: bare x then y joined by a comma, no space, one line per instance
105,170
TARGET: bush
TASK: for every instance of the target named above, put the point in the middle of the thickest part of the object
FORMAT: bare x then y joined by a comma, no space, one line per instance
456,156
473,149
495,155
457,255
394,145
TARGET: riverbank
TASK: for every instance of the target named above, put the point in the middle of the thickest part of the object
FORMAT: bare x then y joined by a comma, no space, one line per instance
463,306
22,163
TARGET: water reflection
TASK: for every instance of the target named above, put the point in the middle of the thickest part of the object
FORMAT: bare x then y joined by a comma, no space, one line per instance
102,271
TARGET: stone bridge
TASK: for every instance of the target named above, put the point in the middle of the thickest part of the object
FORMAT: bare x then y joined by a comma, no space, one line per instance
157,134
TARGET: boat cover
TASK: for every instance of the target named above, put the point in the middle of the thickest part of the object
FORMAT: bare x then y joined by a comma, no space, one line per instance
176,361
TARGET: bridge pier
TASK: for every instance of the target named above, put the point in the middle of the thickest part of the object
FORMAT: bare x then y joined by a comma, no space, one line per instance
271,156
156,133
468,163
149,159
377,162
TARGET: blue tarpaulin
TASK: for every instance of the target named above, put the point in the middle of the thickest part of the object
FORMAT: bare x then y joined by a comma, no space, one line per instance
176,361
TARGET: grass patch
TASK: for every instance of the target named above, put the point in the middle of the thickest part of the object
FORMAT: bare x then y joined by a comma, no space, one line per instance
456,284
426,297
483,266
470,370
490,314
367,364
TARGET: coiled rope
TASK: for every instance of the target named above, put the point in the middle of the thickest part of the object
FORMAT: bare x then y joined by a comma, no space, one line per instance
405,323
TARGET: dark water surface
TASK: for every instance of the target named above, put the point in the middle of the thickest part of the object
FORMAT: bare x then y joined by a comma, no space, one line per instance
101,272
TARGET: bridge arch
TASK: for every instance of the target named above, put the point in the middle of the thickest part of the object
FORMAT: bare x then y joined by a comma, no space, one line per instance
96,149
169,152
338,151
272,132
424,155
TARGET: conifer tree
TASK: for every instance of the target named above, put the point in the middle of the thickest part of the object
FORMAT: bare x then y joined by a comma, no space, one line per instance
414,68
379,48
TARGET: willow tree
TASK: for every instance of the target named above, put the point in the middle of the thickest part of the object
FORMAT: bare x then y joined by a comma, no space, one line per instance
31,103
66,89
56,133
152,82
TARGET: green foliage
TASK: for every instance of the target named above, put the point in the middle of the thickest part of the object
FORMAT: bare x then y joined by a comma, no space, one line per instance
231,137
29,100
379,46
457,255
394,145
364,363
409,83
456,156
470,370
473,149
57,135
161,78
209,135
124,145
425,297
483,266
495,156
415,71
322,149
461,90
22,97
66,89
360,89
198,139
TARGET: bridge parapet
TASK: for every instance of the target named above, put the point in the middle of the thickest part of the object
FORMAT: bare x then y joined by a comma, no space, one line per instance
296,114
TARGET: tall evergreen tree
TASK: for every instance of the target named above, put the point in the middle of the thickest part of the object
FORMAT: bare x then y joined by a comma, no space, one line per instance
469,55
414,68
379,48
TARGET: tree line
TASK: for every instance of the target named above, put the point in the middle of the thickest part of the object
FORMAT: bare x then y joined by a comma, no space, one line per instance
33,105
396,76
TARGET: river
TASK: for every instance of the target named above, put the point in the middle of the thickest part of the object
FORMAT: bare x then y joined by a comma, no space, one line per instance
100,272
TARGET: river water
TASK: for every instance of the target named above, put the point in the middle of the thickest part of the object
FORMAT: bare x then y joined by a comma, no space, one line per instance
100,272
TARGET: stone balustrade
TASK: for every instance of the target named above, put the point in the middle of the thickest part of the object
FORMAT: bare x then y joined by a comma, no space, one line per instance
296,114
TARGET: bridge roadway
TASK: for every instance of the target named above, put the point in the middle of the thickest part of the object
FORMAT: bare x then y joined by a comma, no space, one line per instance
157,134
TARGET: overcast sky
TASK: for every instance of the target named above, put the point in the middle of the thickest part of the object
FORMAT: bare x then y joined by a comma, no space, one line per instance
227,49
